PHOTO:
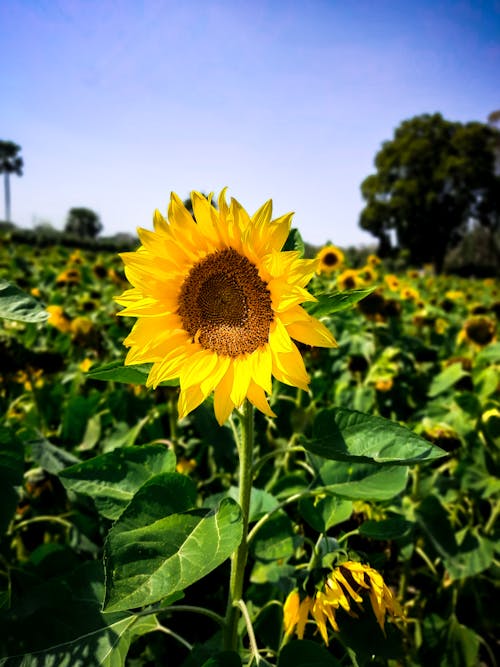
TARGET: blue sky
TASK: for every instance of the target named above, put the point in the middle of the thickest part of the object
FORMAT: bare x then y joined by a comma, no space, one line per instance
115,104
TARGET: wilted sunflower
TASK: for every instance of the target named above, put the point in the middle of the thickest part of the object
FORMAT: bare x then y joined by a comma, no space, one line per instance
218,304
330,259
478,330
345,584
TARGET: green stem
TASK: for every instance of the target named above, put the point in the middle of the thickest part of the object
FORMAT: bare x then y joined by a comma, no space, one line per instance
239,558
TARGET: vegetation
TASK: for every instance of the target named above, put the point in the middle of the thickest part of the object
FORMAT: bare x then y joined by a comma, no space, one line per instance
83,222
434,181
92,465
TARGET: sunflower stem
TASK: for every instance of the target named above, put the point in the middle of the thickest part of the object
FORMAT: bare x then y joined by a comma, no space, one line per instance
239,558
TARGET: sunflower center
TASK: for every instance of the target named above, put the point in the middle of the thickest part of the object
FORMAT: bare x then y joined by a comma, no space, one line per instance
225,305
330,259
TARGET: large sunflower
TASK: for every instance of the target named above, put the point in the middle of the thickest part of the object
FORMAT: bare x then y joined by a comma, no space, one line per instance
218,304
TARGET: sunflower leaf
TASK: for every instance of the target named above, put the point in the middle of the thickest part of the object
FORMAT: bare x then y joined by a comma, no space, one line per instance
348,435
133,374
148,558
17,305
328,303
112,479
294,242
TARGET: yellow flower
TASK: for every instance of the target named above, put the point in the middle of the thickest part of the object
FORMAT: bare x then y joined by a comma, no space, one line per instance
218,304
409,294
367,274
85,365
185,466
345,584
68,277
35,292
58,318
392,282
373,260
384,384
454,295
330,259
349,279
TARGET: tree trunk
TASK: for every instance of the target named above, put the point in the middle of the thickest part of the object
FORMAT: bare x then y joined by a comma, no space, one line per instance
7,195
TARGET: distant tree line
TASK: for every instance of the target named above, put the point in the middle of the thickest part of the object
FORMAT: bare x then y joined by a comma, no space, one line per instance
44,235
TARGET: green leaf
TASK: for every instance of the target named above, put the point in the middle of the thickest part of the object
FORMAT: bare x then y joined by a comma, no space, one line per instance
112,479
475,554
66,626
49,456
347,435
325,513
261,502
148,560
11,474
276,539
387,529
446,379
435,523
363,481
117,372
294,242
328,303
488,355
305,653
17,305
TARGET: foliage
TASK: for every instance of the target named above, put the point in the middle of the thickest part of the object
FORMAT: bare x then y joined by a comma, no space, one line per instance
117,520
83,222
433,179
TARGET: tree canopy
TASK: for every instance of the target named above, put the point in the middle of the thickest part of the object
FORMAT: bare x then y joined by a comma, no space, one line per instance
434,181
83,222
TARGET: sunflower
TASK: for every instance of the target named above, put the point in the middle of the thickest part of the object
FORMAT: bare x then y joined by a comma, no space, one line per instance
478,330
330,259
349,279
218,304
345,584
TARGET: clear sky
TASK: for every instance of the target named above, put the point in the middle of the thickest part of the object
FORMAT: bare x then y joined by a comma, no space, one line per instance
115,104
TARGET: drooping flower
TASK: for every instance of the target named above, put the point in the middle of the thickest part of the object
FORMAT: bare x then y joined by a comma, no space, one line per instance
218,304
345,585
478,330
330,259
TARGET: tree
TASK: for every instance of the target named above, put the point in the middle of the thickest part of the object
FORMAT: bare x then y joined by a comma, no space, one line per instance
83,222
435,180
10,163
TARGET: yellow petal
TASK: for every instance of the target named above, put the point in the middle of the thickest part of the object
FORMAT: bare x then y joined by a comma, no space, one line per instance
241,382
257,397
223,405
189,399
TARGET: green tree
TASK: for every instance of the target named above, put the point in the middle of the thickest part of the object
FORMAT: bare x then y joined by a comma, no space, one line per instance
83,222
10,163
434,181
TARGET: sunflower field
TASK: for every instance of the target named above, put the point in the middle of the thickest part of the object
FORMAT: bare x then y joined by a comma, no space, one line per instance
215,452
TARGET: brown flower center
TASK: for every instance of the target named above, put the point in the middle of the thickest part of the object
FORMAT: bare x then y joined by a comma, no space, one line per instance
225,305
330,259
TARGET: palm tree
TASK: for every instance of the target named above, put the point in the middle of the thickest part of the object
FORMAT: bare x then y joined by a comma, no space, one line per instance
10,163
